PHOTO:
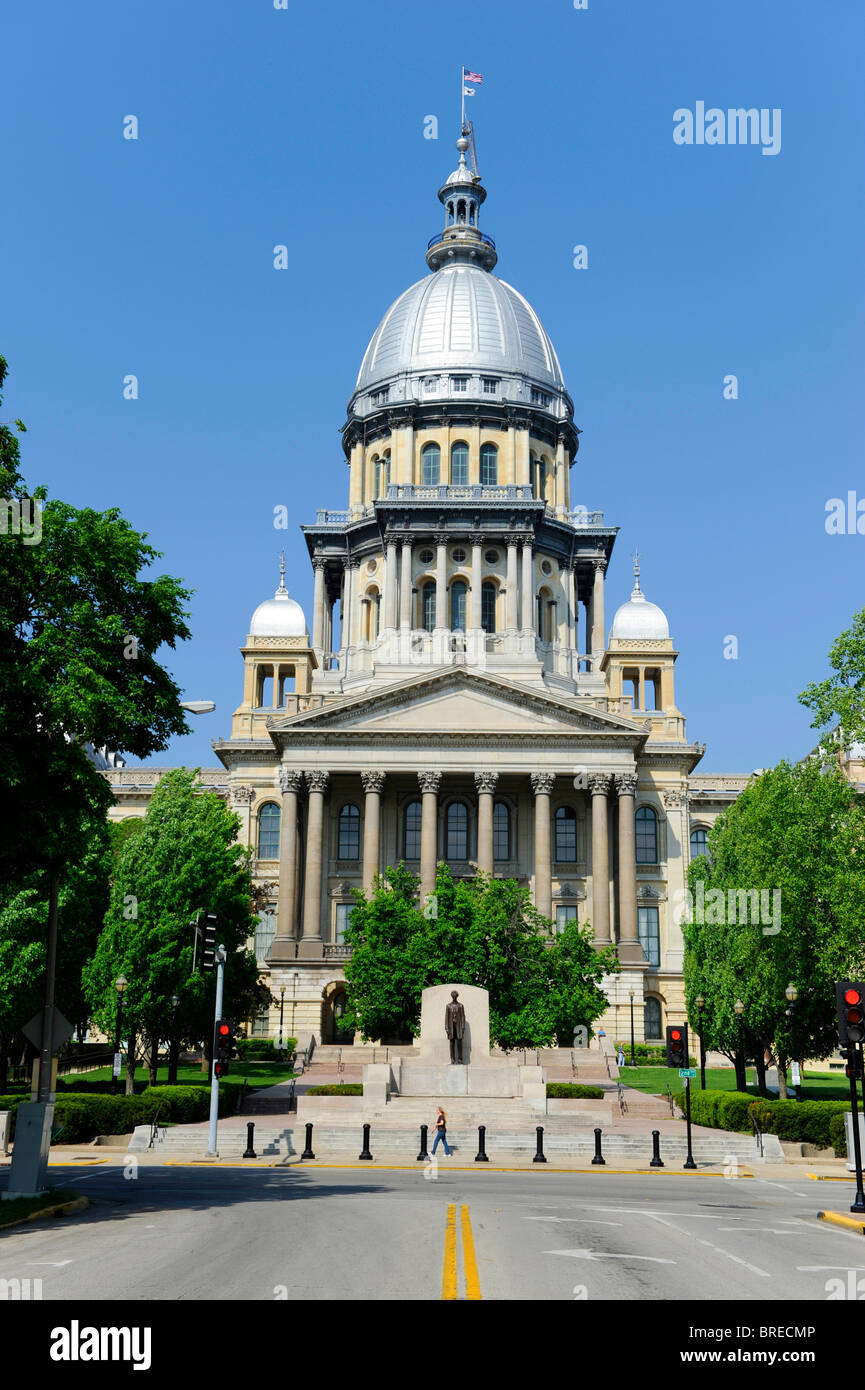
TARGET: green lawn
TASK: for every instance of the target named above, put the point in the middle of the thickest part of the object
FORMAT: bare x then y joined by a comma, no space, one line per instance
255,1073
654,1080
16,1207
831,1085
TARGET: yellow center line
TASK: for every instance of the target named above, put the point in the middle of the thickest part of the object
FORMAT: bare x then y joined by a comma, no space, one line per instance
473,1285
449,1270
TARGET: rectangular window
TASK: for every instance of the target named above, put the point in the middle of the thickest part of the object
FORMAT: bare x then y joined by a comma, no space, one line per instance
565,914
261,1025
491,385
412,830
343,911
649,933
501,832
265,931
539,397
459,383
430,383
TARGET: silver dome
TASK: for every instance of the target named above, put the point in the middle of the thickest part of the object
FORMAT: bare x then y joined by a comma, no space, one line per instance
461,318
638,618
279,616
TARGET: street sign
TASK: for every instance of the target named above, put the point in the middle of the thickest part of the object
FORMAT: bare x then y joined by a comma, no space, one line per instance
795,1074
687,1071
61,1032
116,1068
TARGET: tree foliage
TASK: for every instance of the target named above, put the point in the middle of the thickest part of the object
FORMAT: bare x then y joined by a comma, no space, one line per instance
799,830
485,932
840,698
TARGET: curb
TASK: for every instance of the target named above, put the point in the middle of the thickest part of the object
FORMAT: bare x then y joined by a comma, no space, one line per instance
831,1177
851,1223
414,1168
61,1209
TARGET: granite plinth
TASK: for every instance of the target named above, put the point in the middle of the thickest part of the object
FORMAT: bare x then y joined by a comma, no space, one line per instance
434,1043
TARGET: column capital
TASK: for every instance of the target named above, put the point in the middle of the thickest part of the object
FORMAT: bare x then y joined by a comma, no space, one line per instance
599,783
477,538
373,781
442,538
542,783
486,781
318,562
242,796
353,562
626,783
599,563
673,800
511,539
317,781
429,781
290,781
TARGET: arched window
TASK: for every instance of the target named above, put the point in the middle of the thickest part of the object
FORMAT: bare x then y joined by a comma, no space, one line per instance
566,834
488,606
372,600
457,825
545,616
460,464
489,465
268,831
412,830
699,841
428,606
348,840
382,475
652,1018
459,590
541,478
501,831
646,827
376,476
430,465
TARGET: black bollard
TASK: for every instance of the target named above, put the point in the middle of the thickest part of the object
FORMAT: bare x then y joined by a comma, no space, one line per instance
598,1158
423,1155
656,1150
307,1153
365,1153
481,1155
539,1152
249,1151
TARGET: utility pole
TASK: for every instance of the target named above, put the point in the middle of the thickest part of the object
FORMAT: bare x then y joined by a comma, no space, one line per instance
212,1151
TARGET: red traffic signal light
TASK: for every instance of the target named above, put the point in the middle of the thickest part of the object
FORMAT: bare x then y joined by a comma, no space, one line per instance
850,1001
677,1046
675,1034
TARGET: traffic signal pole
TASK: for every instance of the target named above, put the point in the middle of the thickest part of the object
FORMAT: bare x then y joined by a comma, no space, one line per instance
859,1203
212,1151
689,1161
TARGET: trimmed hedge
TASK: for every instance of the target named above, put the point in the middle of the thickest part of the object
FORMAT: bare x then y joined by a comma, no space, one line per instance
649,1054
838,1135
79,1117
263,1049
800,1122
567,1090
349,1088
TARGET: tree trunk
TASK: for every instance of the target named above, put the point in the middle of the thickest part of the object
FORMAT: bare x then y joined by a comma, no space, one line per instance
4,1063
154,1059
173,1061
782,1078
130,1065
760,1064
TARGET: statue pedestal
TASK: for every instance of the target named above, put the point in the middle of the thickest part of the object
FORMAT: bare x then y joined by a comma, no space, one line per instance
434,1044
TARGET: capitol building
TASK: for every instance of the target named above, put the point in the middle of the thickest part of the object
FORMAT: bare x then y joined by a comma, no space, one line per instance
464,689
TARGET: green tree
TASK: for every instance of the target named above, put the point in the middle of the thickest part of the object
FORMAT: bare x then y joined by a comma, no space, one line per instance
183,860
483,932
840,698
799,830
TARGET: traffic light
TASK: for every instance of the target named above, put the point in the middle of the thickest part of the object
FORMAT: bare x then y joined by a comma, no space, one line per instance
224,1048
677,1045
854,1062
207,930
850,1001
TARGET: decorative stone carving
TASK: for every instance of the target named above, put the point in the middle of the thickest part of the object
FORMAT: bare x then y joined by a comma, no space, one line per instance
290,781
674,799
477,538
242,796
570,890
319,562
429,781
486,781
626,784
511,539
542,783
599,563
317,781
373,781
599,783
442,538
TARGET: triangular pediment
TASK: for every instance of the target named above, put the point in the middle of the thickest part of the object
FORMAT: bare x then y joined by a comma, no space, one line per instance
459,701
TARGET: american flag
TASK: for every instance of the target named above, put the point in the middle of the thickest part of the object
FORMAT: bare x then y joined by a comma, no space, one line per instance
472,76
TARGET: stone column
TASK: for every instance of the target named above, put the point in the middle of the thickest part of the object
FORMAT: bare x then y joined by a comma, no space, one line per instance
373,786
485,782
561,475
318,605
630,950
476,618
511,592
390,586
429,785
572,611
599,785
405,587
542,786
442,617
598,636
528,622
311,941
291,784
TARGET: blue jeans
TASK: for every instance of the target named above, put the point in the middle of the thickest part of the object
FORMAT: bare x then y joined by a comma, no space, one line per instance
441,1134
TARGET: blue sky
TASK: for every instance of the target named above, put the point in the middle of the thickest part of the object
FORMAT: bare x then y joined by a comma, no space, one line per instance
305,127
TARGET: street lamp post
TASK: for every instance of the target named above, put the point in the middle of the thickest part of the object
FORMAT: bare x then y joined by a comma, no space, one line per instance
792,994
633,1058
281,1005
173,1048
700,1001
120,985
742,1077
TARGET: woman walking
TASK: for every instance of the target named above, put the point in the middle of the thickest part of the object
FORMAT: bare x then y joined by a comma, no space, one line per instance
441,1131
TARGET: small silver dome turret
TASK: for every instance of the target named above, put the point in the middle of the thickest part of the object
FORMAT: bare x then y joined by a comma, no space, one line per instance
638,619
279,616
461,239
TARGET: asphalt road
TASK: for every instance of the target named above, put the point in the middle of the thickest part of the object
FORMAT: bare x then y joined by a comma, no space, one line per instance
188,1233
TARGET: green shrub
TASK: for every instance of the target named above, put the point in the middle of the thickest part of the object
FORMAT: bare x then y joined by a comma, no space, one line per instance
349,1088
838,1135
649,1054
566,1090
805,1122
79,1117
734,1111
707,1107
